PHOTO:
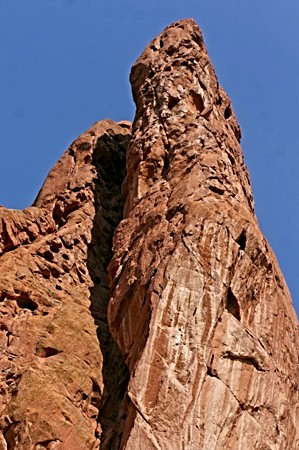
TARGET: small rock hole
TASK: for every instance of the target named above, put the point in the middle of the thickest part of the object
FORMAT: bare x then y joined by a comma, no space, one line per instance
170,51
216,190
27,303
47,352
55,247
45,273
48,255
197,100
242,241
172,102
227,112
232,305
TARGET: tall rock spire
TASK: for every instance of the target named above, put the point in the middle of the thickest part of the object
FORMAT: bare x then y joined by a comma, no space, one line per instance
181,336
199,306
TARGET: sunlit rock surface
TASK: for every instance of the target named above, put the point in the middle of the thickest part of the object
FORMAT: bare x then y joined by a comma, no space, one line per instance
199,306
179,335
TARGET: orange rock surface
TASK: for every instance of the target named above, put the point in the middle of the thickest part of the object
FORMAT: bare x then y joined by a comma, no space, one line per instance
55,344
199,346
199,306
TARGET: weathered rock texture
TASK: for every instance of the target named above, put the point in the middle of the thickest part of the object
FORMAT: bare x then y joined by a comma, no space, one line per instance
57,372
199,306
207,339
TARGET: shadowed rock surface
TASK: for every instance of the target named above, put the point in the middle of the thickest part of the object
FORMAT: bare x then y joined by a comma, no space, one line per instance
200,346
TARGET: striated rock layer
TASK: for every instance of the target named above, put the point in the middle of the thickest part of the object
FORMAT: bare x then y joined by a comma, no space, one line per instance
207,338
199,307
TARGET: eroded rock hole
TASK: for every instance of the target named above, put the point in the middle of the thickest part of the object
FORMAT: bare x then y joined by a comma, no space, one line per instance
170,51
216,190
54,247
232,305
47,352
27,303
172,102
197,100
227,112
241,241
48,256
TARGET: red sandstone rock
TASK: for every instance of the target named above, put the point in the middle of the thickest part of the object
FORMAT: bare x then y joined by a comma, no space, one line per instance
54,296
198,305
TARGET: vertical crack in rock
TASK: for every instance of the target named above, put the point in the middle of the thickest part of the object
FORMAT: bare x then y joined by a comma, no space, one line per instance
109,157
198,307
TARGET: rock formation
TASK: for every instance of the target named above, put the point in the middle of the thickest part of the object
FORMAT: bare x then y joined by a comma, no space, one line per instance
199,348
54,293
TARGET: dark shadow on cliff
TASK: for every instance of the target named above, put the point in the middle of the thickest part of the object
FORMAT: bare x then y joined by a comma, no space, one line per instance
109,159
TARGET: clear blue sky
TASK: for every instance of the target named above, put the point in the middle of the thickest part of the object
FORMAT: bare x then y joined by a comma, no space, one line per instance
65,64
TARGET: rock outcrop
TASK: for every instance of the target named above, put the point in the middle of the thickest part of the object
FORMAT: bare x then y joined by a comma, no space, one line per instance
59,366
199,347
199,306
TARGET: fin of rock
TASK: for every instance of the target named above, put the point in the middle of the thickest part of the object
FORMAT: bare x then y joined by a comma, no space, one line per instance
59,366
199,307
199,346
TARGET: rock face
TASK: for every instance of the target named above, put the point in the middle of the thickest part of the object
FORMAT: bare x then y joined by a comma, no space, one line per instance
199,306
55,343
199,348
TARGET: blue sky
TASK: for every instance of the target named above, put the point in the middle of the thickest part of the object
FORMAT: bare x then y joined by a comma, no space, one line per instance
64,64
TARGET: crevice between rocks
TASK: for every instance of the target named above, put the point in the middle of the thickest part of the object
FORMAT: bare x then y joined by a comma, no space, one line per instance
109,159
